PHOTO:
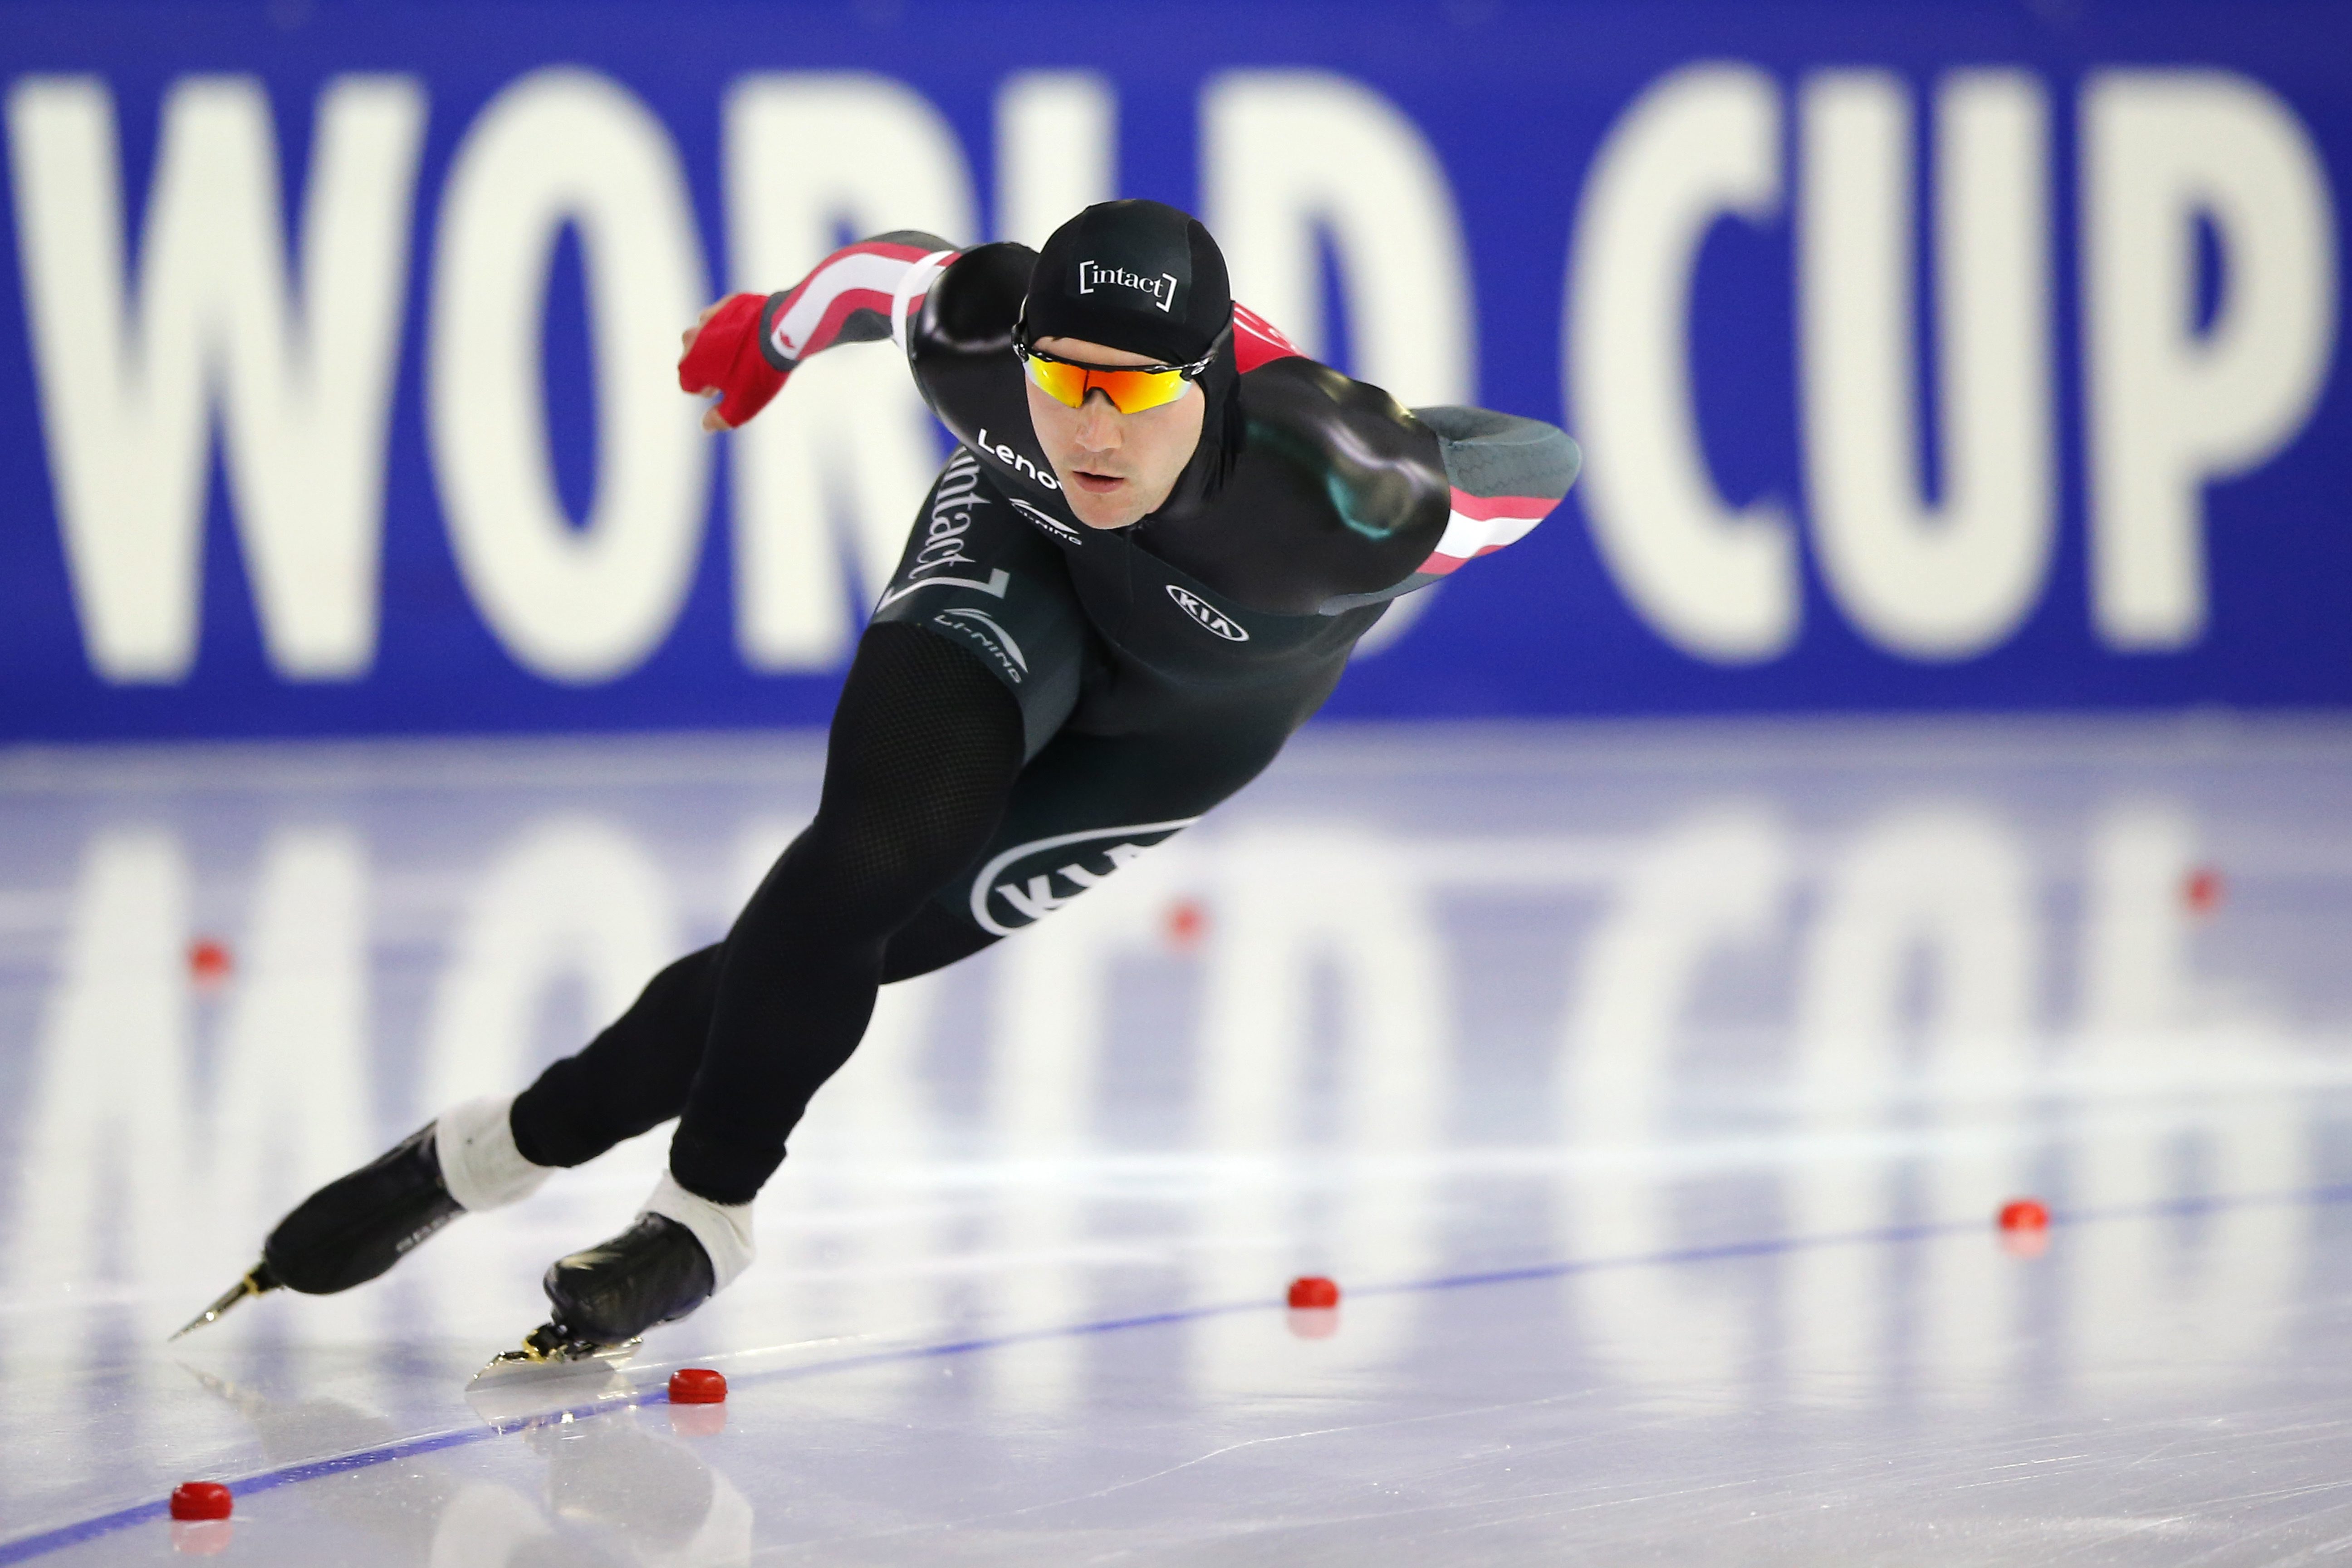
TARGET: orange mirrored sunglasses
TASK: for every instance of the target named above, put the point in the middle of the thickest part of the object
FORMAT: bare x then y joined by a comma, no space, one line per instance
1130,388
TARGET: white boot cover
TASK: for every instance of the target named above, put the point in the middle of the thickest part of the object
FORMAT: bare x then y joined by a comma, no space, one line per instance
480,1162
724,1229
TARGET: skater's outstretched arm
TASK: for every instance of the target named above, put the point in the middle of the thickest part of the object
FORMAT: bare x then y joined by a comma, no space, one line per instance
744,347
1504,475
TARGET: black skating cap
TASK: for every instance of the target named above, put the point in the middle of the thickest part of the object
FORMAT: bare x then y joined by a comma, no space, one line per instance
1134,275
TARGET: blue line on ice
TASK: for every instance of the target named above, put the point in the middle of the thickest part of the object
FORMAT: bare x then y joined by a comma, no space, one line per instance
26,1548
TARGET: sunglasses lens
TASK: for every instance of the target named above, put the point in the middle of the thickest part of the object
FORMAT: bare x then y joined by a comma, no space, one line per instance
1064,384
1131,391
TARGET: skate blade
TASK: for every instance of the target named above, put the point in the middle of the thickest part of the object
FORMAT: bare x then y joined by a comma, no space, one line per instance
526,1388
521,1368
257,1282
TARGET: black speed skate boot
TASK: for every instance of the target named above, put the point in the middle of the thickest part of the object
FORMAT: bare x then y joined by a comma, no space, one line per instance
358,1226
605,1297
352,1229
653,1272
681,1250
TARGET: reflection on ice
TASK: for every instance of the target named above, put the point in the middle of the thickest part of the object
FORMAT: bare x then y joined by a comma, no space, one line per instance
620,1489
570,897
1437,1019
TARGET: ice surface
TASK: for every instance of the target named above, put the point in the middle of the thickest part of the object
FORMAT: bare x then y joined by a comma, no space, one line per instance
1650,1090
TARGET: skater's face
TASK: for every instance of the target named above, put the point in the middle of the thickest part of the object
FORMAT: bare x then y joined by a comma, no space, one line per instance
1116,468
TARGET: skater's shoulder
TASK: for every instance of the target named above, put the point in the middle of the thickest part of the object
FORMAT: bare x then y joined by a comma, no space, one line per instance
1339,490
1363,499
972,305
1371,469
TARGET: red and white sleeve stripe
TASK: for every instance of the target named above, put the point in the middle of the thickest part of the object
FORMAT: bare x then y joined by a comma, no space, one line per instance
1257,340
881,276
1480,525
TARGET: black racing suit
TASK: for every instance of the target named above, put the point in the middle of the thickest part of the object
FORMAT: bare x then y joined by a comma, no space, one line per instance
1035,701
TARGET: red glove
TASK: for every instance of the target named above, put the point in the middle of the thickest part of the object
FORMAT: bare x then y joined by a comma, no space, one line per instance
726,358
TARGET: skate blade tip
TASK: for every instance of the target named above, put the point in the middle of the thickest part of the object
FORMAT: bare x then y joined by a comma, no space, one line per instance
254,1283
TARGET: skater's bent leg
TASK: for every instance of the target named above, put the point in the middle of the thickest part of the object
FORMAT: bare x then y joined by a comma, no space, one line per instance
635,1076
632,1077
932,940
925,747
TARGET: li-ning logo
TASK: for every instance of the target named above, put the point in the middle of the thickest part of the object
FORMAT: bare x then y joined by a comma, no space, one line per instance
1051,526
1207,615
981,627
1027,899
1160,290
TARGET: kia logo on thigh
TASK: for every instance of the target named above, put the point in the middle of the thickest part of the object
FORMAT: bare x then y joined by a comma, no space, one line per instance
1032,880
1206,614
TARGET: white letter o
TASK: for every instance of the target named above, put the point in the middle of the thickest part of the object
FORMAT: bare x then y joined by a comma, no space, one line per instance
567,146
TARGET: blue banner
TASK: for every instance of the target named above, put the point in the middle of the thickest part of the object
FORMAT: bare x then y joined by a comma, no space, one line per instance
1925,355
